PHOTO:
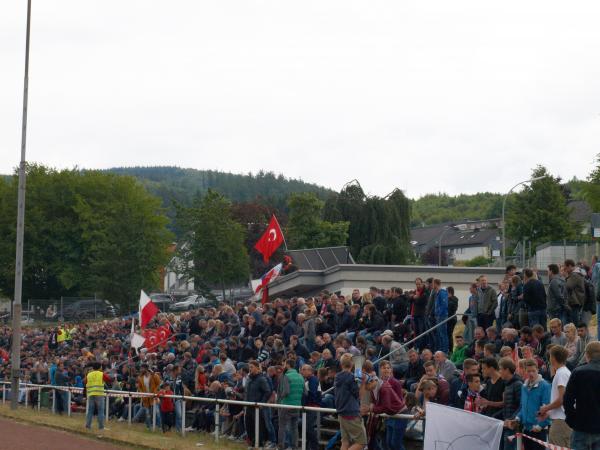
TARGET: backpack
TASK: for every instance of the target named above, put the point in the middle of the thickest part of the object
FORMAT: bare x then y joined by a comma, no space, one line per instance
590,296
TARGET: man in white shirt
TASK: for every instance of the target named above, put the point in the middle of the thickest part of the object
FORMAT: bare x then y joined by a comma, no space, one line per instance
560,433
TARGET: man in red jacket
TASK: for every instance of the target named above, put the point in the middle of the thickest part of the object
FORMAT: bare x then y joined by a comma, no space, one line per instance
390,400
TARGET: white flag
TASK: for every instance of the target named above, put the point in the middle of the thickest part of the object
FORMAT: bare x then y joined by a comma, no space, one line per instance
136,340
449,428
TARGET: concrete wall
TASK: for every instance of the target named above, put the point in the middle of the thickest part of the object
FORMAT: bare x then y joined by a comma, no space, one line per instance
345,278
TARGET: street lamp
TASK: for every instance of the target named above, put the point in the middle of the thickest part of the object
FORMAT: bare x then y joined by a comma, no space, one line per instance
504,208
18,293
446,228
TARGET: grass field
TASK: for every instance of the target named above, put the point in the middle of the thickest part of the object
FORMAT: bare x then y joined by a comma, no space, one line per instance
135,436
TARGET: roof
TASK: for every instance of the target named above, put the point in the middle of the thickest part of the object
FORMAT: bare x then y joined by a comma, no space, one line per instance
452,237
320,258
581,211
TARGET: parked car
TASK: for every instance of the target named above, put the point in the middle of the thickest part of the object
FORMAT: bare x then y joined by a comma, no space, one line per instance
191,302
89,309
163,301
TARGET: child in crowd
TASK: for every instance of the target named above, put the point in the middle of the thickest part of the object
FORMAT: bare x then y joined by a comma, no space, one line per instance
167,407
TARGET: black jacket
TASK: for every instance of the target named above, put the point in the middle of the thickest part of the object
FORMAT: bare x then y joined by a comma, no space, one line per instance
258,389
534,295
583,389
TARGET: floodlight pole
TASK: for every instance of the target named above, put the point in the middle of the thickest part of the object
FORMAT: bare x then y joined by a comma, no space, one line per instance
16,309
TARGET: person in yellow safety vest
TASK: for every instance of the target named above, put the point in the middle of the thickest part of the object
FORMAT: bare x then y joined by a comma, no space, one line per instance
61,335
94,387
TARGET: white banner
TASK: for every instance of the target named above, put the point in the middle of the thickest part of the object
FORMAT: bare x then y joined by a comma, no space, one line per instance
449,428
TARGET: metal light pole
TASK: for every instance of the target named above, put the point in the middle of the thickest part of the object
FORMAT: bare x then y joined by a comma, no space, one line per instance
440,245
504,208
16,310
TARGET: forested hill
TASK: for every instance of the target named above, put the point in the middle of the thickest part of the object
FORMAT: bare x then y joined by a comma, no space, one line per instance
182,185
438,208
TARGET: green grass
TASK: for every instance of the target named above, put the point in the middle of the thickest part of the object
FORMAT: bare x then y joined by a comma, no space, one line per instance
120,433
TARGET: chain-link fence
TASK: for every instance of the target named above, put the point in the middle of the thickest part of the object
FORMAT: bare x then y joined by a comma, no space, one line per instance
67,309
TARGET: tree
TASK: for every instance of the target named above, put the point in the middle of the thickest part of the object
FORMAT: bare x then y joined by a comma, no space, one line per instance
379,230
86,233
591,189
307,229
539,213
212,249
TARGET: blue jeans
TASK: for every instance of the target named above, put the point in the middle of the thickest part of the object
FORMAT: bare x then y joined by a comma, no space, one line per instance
268,418
537,317
147,412
585,441
394,433
441,335
95,403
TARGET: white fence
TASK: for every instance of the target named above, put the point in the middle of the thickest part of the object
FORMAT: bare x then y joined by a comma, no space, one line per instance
129,396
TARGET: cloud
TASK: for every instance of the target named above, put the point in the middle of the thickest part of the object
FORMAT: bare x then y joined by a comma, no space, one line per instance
428,97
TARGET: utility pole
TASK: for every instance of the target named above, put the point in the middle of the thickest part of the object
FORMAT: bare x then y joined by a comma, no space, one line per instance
16,309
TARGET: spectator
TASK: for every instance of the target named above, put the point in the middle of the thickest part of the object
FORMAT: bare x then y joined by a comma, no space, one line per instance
557,295
534,297
458,355
257,390
354,436
289,392
487,303
511,400
575,285
534,394
492,395
582,403
560,433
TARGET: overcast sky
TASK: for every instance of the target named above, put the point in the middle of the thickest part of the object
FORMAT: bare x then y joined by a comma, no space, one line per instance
428,96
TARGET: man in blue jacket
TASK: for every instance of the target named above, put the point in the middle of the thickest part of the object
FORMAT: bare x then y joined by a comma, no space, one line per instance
354,436
440,308
534,394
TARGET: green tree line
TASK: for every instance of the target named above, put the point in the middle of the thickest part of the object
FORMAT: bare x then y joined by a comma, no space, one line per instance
86,233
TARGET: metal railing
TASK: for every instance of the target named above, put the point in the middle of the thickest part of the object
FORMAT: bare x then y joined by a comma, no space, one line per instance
26,387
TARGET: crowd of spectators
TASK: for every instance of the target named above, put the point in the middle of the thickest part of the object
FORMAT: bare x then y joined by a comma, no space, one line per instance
349,353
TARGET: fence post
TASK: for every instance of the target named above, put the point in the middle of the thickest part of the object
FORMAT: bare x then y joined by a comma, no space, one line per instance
129,408
69,403
107,413
217,413
26,397
303,432
39,399
54,394
182,417
519,441
3,393
257,427
153,415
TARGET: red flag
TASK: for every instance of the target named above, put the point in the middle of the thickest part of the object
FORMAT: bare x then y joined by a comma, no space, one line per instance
270,240
265,280
164,331
151,339
147,309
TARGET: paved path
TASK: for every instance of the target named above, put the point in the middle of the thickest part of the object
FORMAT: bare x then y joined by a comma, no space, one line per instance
19,436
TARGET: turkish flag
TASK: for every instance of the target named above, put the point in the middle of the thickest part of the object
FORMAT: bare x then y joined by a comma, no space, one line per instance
270,240
164,331
147,309
151,339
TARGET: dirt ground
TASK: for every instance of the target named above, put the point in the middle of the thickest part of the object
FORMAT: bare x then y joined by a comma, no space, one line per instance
20,436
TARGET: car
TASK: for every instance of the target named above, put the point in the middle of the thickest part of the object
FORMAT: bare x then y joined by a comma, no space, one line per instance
89,309
163,301
190,302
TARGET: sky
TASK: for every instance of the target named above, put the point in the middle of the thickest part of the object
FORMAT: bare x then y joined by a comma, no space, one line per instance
435,96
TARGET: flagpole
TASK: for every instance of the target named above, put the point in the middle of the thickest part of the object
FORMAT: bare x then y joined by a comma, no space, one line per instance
282,235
